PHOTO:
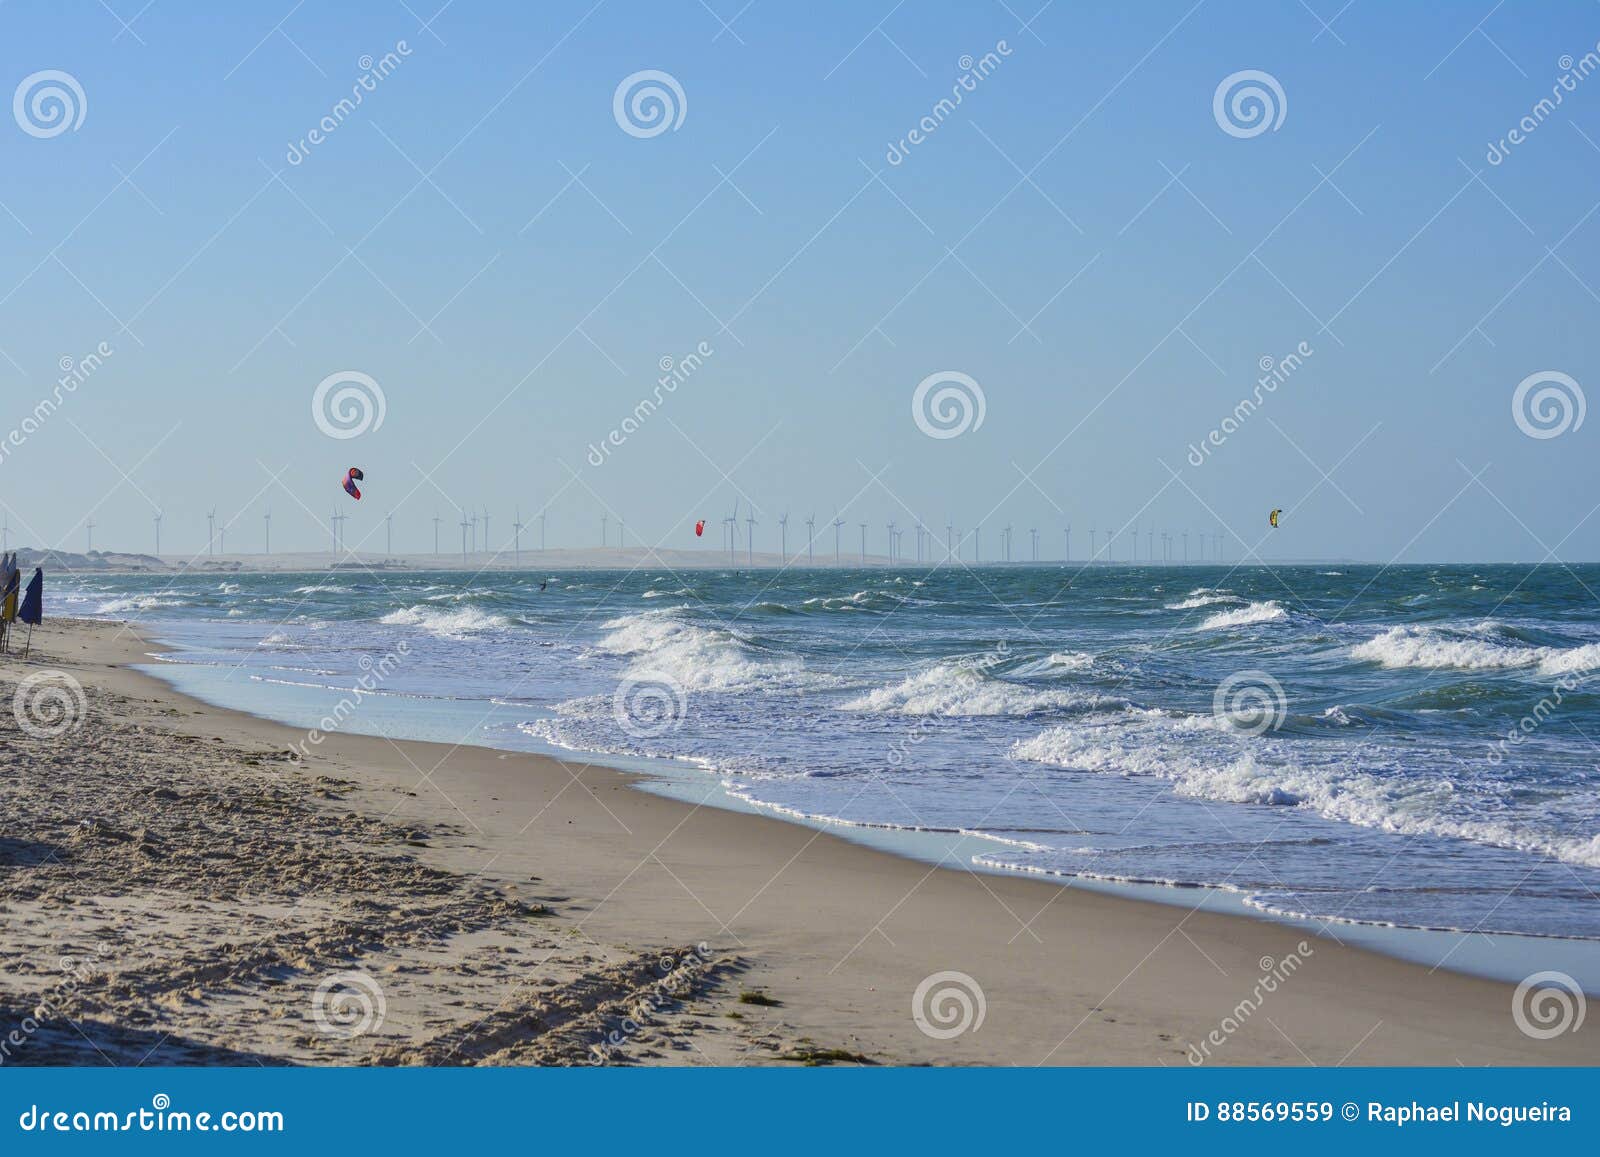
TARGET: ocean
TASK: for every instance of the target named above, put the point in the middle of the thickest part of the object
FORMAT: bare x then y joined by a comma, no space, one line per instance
1414,746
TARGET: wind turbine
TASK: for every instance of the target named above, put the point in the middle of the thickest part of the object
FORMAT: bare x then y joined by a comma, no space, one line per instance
1091,545
1068,556
464,525
863,542
158,532
837,523
783,538
730,530
811,534
516,531
891,542
266,518
88,528
486,545
949,541
211,531
1033,532
750,537
605,540
474,533
436,534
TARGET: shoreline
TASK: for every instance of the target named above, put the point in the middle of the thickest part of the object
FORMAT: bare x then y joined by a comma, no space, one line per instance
841,934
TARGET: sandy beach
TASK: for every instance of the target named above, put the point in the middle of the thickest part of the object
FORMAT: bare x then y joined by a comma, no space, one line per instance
186,885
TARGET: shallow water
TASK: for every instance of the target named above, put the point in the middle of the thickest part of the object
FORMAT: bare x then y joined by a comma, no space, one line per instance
1325,741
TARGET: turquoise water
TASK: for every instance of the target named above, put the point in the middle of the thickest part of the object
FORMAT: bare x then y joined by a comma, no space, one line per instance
1320,741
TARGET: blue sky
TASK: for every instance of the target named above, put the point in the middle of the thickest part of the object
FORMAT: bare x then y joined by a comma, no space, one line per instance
1080,236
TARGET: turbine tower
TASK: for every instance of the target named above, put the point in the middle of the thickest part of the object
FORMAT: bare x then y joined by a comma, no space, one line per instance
1033,532
949,541
388,534
464,525
88,528
750,537
783,538
211,531
486,545
891,542
158,532
436,534
516,532
730,531
267,519
837,523
1067,557
811,534
863,542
